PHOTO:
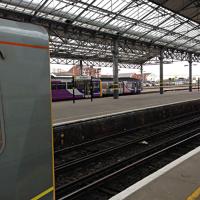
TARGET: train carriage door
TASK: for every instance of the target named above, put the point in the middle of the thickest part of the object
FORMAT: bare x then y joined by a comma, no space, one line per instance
135,87
123,85
87,87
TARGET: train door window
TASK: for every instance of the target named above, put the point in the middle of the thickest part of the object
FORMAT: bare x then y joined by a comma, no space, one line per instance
137,84
96,85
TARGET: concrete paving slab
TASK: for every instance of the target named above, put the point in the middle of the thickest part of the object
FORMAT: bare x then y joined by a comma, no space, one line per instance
176,181
66,111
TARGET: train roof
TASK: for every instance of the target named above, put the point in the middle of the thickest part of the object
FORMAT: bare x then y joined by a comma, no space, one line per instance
120,79
55,77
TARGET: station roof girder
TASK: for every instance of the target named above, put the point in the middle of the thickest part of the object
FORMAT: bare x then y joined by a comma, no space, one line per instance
85,29
187,8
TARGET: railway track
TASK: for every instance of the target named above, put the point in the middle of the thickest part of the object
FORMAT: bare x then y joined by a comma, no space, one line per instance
75,175
121,179
68,154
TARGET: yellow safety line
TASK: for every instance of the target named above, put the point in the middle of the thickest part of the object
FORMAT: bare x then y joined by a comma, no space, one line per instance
194,195
43,194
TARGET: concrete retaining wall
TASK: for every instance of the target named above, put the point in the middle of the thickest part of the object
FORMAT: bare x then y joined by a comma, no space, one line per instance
78,132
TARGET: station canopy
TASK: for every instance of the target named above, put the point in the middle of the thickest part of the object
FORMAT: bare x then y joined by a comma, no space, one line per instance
186,8
86,29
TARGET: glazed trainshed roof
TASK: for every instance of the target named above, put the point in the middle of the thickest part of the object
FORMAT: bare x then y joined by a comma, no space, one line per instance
187,8
142,27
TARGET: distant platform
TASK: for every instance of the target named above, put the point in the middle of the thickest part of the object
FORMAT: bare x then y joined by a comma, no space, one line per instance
66,111
166,89
179,180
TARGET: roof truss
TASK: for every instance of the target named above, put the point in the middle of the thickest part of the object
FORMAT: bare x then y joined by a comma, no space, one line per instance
85,29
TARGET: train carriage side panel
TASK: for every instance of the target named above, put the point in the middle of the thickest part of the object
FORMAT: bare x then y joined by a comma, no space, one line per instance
26,159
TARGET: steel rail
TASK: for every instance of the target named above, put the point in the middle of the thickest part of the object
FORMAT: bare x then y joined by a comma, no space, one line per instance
158,148
74,163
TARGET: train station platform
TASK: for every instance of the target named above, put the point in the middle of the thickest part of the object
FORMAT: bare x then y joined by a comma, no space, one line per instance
66,111
179,180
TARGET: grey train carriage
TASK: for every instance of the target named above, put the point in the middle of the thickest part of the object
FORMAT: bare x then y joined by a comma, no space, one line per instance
26,154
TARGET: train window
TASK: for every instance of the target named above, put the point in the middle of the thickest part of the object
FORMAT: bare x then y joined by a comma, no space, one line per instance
69,85
61,86
81,85
104,85
95,85
53,86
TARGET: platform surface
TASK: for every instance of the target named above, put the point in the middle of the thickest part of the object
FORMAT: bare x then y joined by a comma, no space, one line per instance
66,111
180,180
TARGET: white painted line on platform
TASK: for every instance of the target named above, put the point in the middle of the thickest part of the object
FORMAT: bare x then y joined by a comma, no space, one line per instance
140,184
113,114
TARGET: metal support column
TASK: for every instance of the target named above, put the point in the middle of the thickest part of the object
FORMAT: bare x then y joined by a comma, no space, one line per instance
190,72
115,70
81,67
161,71
142,76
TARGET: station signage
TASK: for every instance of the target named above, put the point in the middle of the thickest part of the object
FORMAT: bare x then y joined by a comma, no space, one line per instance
82,77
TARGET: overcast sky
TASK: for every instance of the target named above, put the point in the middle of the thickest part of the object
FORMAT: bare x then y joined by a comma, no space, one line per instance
178,69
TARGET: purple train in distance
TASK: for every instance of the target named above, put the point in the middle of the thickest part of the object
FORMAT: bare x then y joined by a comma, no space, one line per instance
63,90
62,87
60,92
